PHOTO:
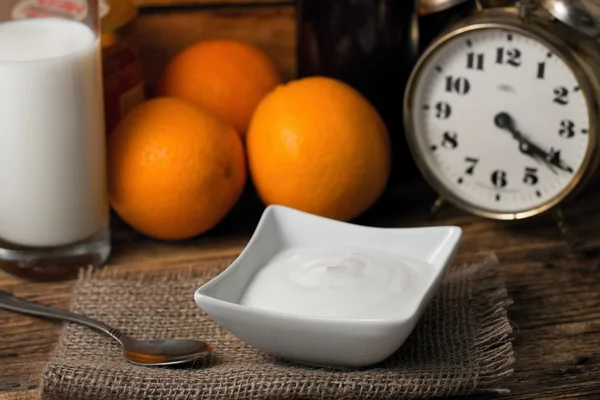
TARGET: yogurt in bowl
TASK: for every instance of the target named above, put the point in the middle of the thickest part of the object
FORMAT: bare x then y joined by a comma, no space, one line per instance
336,282
322,292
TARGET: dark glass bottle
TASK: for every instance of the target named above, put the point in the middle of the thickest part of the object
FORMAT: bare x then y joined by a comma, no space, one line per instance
433,24
371,45
367,44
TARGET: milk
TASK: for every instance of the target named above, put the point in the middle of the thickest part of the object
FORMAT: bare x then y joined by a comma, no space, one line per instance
52,139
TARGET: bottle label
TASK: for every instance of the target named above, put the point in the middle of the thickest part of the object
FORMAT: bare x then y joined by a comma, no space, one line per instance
72,9
104,8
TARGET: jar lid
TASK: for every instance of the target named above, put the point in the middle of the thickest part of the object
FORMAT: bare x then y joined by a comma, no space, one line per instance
582,15
432,6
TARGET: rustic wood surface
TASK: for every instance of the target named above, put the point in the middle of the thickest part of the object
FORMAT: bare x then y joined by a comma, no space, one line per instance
555,287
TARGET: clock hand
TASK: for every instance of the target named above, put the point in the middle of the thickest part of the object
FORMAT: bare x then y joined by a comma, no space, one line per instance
504,121
538,154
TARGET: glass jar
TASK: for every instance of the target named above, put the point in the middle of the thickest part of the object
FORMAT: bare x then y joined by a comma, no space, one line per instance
124,85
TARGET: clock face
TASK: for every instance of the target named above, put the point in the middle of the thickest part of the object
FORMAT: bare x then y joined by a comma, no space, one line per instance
500,120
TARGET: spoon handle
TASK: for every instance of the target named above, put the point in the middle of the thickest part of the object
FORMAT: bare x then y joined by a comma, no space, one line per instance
11,303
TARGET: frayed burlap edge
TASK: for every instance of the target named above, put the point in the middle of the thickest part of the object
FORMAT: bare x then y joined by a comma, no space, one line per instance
496,344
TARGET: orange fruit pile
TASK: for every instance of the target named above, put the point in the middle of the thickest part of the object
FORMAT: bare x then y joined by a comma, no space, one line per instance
178,163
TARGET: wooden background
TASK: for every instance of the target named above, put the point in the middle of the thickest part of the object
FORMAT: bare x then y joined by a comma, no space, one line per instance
163,30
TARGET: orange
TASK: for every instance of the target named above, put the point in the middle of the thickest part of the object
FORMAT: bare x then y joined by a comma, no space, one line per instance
226,76
175,169
317,145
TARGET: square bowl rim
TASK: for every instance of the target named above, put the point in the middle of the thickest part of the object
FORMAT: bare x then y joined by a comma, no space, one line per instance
200,295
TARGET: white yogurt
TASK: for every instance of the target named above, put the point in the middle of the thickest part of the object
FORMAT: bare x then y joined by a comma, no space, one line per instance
52,141
336,283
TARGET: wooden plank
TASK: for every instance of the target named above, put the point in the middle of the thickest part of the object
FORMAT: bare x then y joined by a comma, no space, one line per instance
23,395
556,311
26,342
271,29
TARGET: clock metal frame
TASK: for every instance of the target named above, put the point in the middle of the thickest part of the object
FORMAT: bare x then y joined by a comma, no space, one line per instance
574,50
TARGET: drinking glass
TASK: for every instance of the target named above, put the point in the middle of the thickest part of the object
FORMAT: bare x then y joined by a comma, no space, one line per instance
54,211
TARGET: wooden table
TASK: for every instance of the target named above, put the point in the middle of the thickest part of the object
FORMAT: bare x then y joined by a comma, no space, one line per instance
555,287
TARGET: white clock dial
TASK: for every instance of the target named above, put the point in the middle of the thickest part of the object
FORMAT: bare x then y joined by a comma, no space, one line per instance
500,120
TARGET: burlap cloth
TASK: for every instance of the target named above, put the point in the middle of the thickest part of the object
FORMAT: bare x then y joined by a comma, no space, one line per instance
461,345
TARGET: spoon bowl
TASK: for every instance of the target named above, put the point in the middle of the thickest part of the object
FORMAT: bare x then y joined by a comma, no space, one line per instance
164,351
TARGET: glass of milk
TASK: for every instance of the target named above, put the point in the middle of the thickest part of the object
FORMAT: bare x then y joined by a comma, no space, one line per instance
54,212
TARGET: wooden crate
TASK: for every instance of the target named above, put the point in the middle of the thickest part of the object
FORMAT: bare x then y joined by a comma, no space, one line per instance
165,30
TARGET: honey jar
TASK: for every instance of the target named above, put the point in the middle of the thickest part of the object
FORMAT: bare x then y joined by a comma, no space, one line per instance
124,86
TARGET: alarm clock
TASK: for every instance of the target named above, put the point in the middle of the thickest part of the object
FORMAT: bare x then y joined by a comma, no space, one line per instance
501,110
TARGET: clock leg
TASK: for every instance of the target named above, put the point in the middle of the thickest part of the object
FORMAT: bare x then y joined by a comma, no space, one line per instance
566,230
436,207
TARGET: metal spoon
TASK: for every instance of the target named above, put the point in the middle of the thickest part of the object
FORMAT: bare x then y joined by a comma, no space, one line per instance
150,353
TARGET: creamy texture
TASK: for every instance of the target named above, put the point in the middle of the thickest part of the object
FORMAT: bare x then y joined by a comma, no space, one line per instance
337,283
52,140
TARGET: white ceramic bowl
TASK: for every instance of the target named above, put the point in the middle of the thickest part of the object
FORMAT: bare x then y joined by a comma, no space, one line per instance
324,341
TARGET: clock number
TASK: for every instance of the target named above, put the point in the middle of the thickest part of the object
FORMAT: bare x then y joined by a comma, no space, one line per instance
472,164
459,85
450,140
567,129
511,56
541,73
531,177
475,61
500,55
499,178
561,95
443,110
